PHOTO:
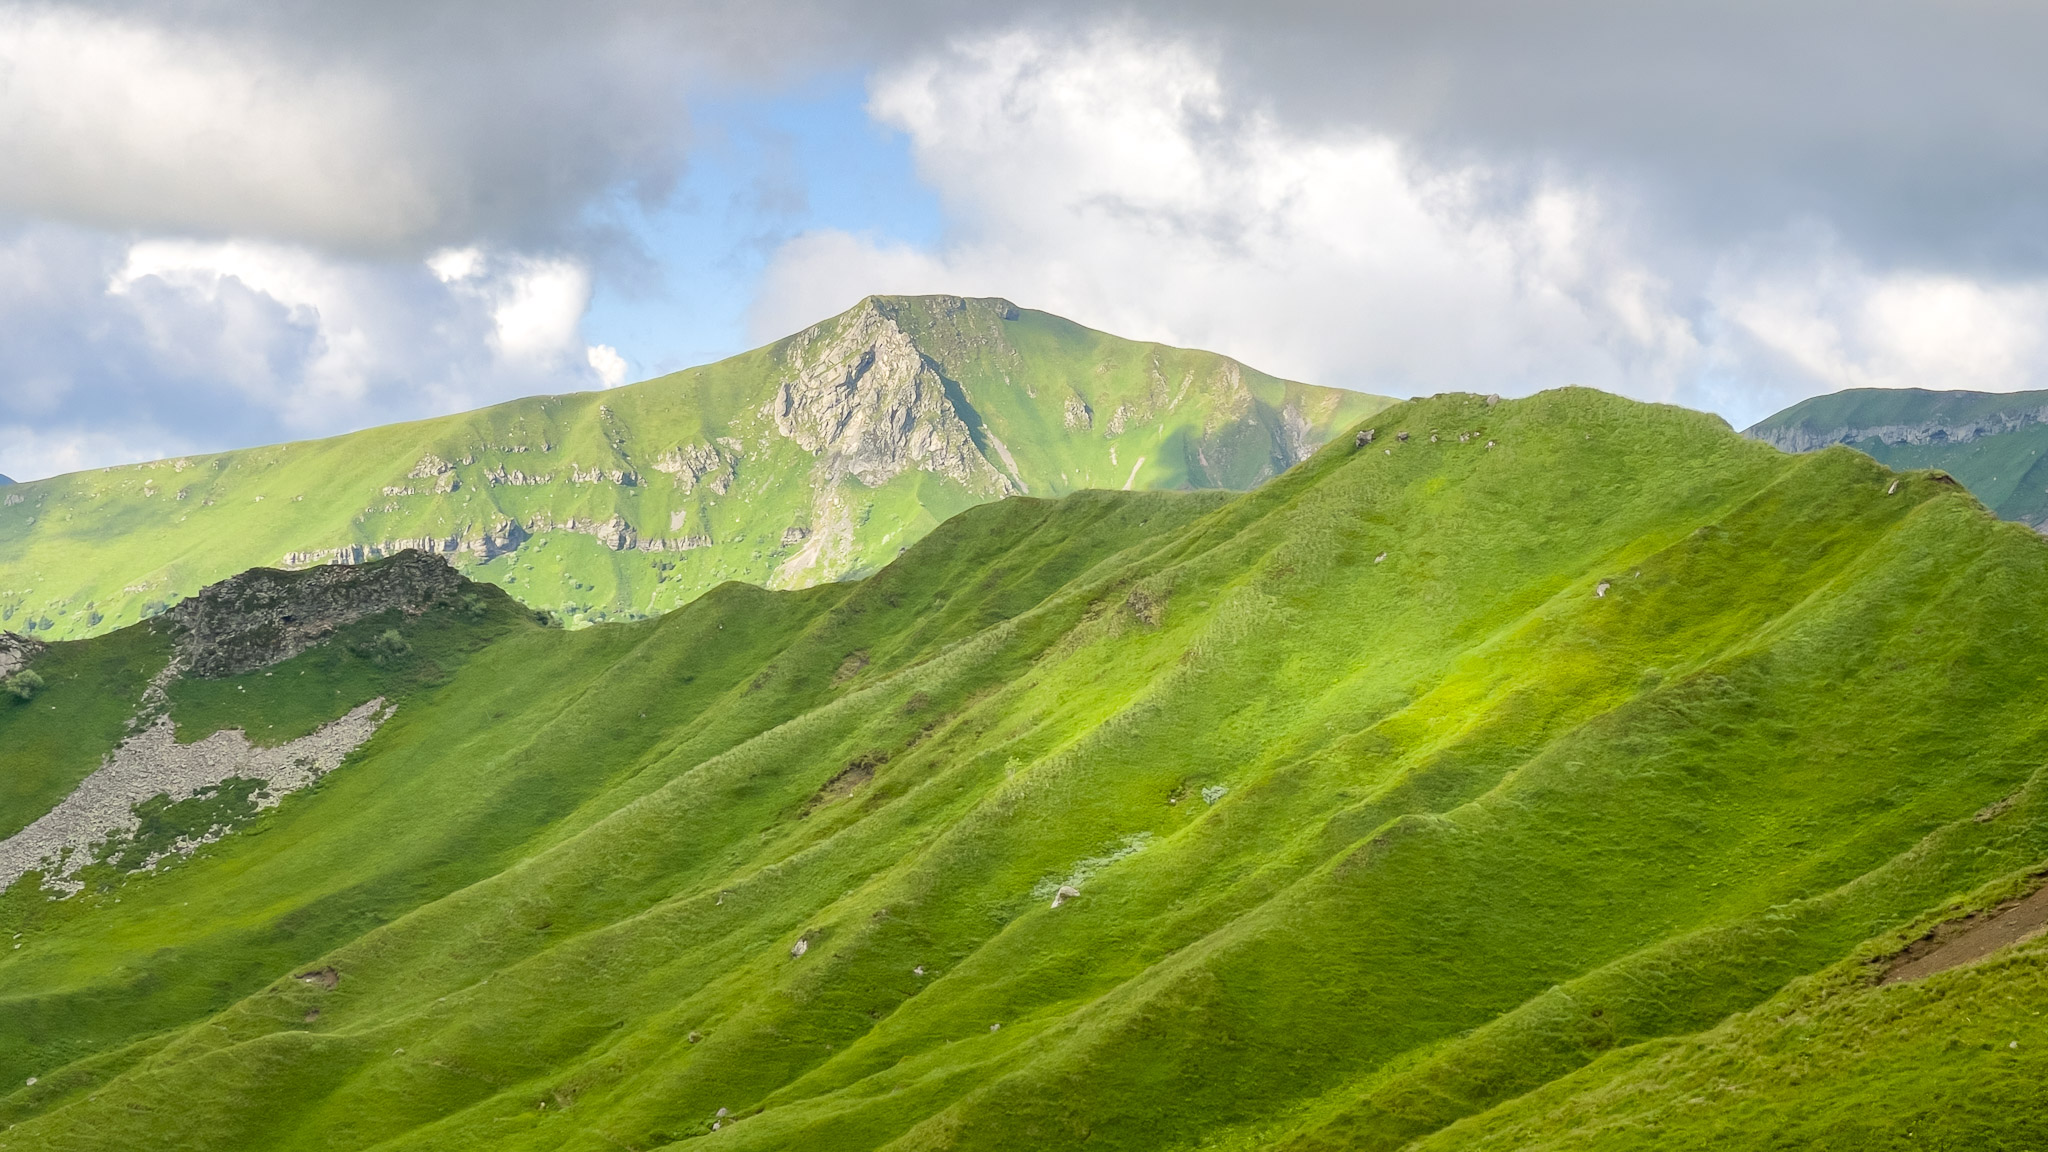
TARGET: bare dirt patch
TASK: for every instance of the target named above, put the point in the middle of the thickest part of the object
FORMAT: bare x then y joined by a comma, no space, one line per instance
1971,938
858,771
326,978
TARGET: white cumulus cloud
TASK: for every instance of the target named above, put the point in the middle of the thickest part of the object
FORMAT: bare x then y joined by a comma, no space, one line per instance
130,349
1120,183
1120,180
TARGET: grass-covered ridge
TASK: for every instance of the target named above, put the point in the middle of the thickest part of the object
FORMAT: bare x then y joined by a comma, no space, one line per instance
817,457
1548,778
1991,441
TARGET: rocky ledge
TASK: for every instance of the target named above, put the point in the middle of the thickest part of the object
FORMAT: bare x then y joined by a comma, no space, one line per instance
264,616
16,652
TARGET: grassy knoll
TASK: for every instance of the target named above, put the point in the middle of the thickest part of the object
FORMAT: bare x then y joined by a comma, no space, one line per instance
1551,777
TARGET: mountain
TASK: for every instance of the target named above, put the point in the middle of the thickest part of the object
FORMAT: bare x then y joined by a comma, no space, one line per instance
1556,773
1991,441
5,480
818,457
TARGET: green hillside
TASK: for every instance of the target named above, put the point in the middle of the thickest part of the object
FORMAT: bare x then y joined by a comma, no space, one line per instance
1557,773
1991,441
815,458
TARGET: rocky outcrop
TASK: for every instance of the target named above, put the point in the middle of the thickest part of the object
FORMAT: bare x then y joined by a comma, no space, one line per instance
713,465
489,544
859,394
1802,437
152,763
16,652
264,616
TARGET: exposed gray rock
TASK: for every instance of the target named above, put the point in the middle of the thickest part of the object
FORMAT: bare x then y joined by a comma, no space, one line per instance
264,616
1066,892
863,397
694,464
1077,413
16,652
1801,438
152,763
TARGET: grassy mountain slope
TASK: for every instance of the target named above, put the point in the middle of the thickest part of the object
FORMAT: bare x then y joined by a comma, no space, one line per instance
1543,779
1991,441
820,456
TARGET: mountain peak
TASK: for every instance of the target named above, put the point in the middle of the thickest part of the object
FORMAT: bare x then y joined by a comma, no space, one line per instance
818,457
859,393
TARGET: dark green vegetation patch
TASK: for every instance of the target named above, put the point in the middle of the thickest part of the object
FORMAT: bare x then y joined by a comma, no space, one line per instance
1564,775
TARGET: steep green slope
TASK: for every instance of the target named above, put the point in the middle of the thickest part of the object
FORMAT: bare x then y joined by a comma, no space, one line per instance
1991,441
1435,790
817,457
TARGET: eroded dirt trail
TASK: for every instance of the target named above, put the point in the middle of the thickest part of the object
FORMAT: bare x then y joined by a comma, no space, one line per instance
1963,941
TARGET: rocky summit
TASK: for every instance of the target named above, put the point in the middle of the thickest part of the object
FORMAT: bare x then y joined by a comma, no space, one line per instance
819,457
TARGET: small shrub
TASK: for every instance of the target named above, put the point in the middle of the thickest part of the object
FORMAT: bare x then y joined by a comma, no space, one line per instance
23,685
388,647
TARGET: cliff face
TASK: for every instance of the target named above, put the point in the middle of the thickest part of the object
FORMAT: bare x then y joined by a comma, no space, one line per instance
1807,437
861,395
1899,416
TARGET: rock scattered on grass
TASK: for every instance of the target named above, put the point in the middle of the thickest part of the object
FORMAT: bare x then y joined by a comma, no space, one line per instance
1601,588
1067,892
802,946
152,763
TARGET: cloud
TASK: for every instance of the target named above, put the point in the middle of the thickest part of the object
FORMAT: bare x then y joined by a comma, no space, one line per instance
1835,324
1124,181
111,121
610,367
1118,181
137,349
228,222
343,129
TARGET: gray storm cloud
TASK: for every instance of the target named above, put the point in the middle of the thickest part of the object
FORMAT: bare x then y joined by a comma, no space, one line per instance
1912,128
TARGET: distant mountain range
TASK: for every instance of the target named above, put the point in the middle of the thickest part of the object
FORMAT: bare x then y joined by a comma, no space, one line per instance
1537,774
1993,442
816,458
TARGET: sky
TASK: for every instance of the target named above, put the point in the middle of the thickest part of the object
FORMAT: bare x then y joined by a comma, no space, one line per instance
227,223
